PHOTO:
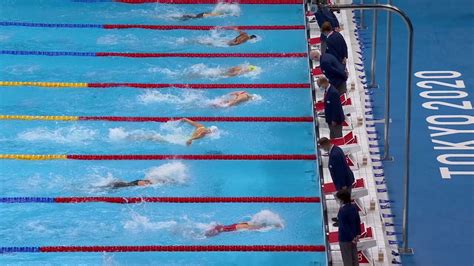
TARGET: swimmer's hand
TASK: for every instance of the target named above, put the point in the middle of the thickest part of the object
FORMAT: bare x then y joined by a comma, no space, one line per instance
214,231
189,142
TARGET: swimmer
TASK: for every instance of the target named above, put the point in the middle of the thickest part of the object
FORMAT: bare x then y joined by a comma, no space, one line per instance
235,227
242,38
231,228
200,131
200,15
235,98
239,70
136,183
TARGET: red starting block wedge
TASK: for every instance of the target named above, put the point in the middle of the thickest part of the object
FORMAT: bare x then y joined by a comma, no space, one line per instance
363,258
317,71
346,103
366,240
314,41
348,143
330,188
349,138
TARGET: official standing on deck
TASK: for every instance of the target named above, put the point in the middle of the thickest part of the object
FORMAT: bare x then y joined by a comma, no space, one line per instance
334,70
333,112
349,228
341,174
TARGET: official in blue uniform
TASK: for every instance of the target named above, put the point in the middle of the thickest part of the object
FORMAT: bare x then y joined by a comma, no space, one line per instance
335,43
349,228
332,69
341,174
324,14
332,108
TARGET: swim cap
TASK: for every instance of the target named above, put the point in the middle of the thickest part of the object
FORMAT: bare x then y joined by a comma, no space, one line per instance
252,68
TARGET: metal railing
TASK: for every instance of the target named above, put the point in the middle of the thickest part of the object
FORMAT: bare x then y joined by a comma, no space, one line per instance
388,61
404,249
373,58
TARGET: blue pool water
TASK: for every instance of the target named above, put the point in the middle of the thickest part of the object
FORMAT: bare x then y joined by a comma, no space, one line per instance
89,224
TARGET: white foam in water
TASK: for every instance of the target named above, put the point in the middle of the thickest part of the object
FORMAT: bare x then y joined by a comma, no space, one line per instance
188,99
37,227
22,69
228,9
168,173
184,98
140,223
103,181
165,71
267,219
71,134
217,38
108,259
113,39
203,71
170,132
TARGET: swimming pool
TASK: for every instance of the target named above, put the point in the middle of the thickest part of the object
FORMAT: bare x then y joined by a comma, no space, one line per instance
73,32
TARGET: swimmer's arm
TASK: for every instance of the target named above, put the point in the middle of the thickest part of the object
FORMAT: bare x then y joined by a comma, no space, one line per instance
254,227
191,139
235,93
234,71
212,14
195,124
232,102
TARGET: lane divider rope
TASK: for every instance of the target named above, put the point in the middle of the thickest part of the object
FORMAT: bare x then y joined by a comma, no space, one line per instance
142,55
149,27
157,119
152,248
134,200
228,157
154,85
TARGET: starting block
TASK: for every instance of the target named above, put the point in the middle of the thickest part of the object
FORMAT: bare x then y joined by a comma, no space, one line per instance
366,240
348,143
346,125
352,164
317,72
359,189
347,105
314,41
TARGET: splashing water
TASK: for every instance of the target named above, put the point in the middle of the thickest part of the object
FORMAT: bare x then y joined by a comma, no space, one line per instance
183,98
101,181
182,226
227,9
223,9
168,173
170,132
189,99
268,220
108,259
205,71
71,134
164,71
216,37
140,223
